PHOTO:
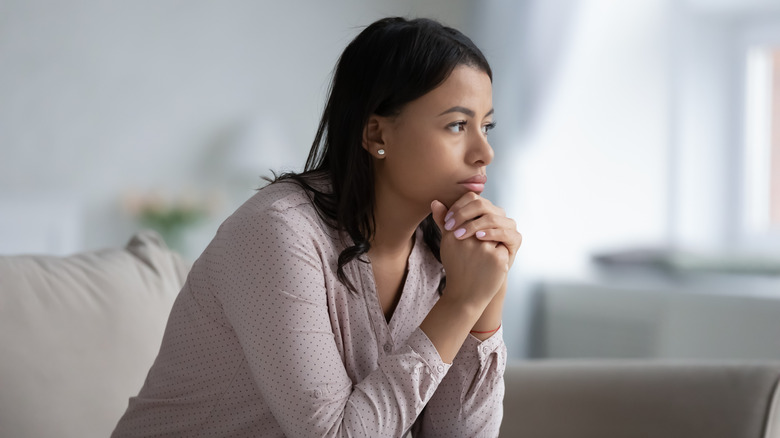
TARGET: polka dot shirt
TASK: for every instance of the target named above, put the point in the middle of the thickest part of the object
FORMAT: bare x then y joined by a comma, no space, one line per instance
264,341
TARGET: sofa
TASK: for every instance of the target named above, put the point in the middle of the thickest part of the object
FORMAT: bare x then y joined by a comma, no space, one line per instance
78,334
641,398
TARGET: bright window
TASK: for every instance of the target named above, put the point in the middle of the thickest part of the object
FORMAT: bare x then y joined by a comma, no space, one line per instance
774,187
762,141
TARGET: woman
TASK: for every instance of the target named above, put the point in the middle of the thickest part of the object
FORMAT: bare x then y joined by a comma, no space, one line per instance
320,308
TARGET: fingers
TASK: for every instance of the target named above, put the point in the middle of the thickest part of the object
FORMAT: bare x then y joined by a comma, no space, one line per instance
467,208
472,215
438,211
483,224
510,238
503,255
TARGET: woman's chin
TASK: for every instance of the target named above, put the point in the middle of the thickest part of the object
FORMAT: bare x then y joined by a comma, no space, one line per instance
450,198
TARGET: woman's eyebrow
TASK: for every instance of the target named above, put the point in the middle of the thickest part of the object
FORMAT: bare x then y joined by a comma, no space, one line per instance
459,109
464,110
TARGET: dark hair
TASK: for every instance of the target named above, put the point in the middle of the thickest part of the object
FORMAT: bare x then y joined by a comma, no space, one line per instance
389,64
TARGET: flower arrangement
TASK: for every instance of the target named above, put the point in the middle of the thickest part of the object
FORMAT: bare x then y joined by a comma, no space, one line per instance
170,215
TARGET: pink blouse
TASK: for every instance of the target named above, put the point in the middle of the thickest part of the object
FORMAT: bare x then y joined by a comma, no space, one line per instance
264,341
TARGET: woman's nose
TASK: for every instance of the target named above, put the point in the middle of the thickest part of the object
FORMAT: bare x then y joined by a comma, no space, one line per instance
480,152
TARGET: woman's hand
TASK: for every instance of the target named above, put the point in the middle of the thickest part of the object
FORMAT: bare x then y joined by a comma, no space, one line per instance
473,218
473,215
476,261
475,268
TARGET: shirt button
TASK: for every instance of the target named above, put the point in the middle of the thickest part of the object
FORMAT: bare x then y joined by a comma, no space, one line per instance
317,393
388,348
440,368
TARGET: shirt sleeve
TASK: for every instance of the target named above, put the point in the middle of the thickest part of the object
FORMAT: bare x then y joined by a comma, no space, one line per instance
273,293
469,400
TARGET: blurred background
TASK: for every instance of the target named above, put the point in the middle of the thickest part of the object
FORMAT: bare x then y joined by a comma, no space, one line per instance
638,146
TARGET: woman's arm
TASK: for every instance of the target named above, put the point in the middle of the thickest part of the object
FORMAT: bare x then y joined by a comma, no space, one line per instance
469,400
476,271
478,246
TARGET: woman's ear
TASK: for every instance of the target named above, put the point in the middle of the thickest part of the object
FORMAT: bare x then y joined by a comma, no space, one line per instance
373,136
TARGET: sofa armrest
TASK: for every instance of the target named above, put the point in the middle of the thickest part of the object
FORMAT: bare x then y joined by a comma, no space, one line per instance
614,398
773,418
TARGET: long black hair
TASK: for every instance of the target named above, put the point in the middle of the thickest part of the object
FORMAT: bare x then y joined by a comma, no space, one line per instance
390,63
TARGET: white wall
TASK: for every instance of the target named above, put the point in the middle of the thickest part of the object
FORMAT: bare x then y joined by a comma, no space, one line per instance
589,167
102,97
706,114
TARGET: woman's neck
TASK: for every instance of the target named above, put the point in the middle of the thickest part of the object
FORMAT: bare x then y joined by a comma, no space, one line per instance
392,239
394,228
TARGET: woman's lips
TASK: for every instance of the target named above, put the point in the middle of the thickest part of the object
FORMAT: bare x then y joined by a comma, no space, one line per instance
474,187
475,184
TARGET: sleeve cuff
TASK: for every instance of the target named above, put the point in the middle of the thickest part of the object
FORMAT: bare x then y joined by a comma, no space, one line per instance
423,346
473,348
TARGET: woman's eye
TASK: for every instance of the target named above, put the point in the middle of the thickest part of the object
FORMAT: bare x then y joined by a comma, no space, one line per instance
457,127
487,128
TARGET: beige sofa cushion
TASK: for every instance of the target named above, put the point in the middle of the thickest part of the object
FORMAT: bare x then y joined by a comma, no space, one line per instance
79,333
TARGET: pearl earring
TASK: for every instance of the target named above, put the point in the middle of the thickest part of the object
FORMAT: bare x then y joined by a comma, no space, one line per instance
381,152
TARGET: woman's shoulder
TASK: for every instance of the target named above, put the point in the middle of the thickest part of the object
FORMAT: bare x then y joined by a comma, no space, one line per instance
283,201
277,196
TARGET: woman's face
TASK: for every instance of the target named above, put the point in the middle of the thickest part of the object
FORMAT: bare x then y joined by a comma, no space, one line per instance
437,147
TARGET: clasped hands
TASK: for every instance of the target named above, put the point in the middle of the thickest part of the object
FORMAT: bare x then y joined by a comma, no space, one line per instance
478,246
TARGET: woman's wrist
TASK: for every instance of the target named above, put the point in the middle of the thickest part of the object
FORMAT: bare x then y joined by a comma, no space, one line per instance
447,325
490,320
486,332
465,299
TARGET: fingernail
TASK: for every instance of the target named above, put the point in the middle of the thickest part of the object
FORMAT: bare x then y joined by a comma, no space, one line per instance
460,232
449,216
450,223
480,234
